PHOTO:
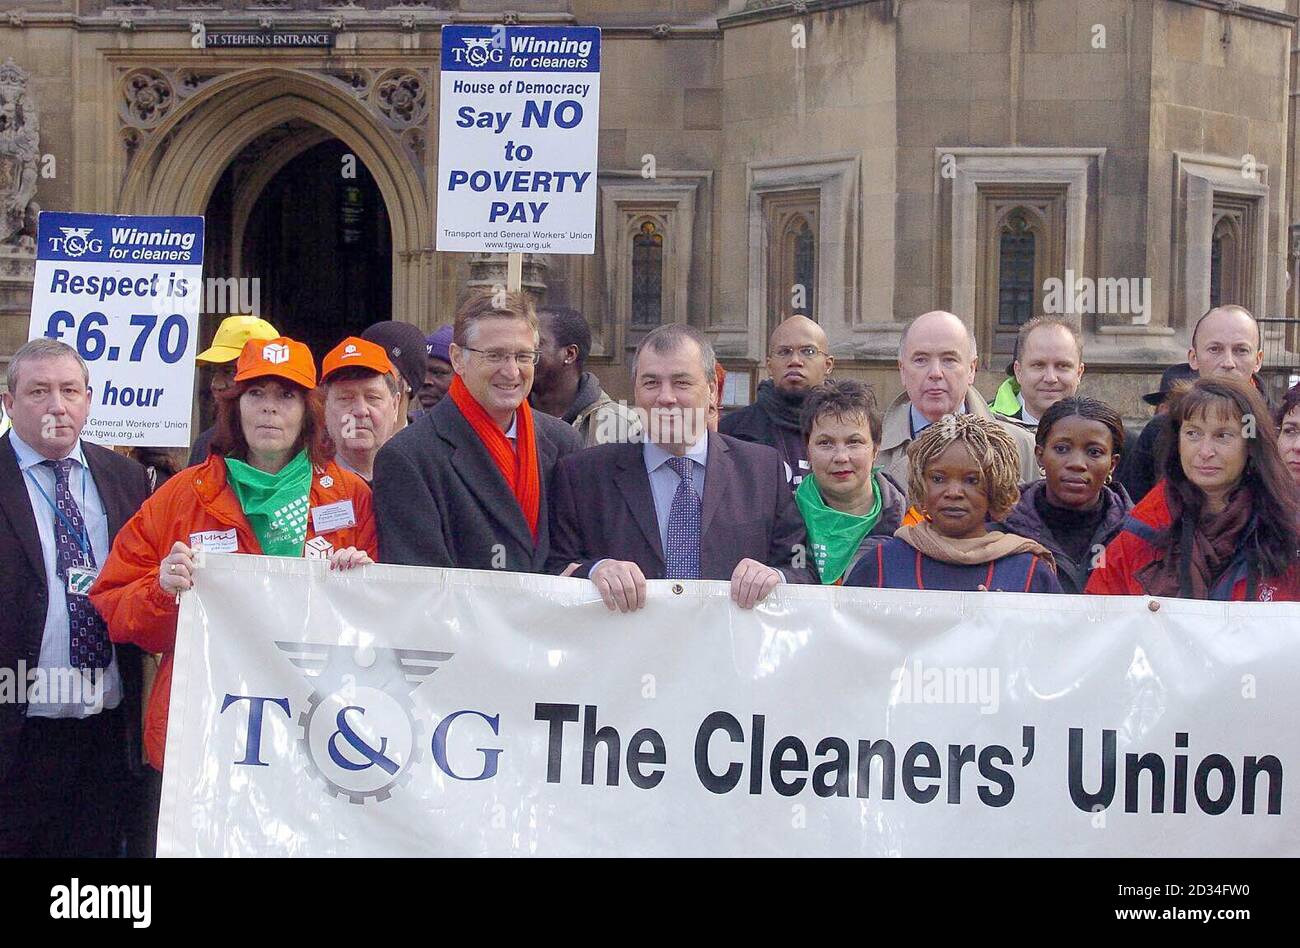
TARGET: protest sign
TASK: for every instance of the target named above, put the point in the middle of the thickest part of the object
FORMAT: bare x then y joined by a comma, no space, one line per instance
517,133
126,293
406,711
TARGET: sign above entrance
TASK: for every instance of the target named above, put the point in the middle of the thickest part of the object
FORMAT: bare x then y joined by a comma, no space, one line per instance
295,39
517,133
125,292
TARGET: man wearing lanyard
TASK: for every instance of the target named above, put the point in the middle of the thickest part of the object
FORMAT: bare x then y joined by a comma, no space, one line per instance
70,718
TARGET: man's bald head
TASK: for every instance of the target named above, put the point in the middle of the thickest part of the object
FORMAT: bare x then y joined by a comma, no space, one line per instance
936,360
1226,344
937,317
798,355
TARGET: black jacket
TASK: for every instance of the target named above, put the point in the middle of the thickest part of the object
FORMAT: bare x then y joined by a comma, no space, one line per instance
603,507
123,488
440,500
1026,521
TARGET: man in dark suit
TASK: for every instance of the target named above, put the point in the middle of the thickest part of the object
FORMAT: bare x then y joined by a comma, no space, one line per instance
686,503
466,484
70,718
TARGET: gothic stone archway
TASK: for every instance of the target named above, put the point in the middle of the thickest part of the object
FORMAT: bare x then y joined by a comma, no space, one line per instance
176,169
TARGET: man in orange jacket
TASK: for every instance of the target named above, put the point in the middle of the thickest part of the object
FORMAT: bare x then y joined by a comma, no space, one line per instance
266,489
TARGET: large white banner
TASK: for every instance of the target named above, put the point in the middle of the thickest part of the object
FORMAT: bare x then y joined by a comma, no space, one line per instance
403,711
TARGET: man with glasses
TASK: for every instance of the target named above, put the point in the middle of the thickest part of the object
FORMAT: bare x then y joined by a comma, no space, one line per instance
798,360
465,484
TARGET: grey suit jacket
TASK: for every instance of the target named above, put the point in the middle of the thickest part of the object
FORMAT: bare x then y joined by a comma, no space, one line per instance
602,506
440,500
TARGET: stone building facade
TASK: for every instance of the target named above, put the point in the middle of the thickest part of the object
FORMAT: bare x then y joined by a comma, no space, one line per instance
859,160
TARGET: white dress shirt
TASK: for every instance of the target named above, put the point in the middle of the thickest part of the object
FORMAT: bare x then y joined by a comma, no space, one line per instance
55,655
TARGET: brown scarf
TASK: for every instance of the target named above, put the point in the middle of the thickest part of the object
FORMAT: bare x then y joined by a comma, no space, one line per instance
975,551
1199,552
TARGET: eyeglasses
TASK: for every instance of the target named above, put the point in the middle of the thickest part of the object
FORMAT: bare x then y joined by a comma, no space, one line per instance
805,352
497,356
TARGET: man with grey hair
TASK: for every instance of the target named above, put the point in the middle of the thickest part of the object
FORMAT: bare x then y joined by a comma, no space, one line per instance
69,749
686,503
937,362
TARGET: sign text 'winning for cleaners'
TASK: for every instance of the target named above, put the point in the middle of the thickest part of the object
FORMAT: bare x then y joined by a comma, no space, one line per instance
517,139
126,292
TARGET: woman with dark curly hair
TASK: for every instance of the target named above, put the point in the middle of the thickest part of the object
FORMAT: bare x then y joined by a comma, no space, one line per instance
1288,432
1224,524
964,470
1077,508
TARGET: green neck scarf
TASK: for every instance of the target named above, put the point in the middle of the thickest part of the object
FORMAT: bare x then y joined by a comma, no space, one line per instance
833,535
275,504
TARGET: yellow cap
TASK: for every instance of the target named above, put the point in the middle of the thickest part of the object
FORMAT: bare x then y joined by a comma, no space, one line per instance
231,335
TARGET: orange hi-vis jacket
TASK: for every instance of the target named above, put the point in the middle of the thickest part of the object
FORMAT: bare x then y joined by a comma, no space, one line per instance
199,500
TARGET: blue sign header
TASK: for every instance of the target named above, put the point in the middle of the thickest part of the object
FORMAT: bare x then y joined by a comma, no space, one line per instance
109,238
520,49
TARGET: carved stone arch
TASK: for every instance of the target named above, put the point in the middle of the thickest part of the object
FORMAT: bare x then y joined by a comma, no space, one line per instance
177,169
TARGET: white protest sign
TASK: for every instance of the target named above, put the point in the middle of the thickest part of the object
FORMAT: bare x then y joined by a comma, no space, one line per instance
126,293
396,710
517,133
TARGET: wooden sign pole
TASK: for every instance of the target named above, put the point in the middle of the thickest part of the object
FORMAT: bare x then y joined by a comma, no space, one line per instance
515,273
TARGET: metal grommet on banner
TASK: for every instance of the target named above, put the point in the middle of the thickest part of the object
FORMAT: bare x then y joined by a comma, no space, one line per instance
1154,605
678,589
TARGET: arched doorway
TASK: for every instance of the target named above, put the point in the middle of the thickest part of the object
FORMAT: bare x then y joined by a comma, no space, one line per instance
182,165
298,212
178,168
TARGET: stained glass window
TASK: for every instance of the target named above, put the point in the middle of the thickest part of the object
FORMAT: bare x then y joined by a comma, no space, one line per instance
647,276
1016,251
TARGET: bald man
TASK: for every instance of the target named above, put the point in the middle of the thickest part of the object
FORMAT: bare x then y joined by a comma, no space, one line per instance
1225,345
937,362
798,360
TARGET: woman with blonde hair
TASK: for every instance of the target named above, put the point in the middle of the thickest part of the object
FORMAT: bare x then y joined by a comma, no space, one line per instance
964,472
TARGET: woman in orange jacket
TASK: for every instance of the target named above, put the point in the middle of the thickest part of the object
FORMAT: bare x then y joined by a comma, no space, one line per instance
268,488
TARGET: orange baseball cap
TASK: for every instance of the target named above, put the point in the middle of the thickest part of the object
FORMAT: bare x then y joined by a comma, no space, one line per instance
278,358
355,351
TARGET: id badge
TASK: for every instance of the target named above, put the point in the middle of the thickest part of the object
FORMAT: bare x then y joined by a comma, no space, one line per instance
80,579
331,517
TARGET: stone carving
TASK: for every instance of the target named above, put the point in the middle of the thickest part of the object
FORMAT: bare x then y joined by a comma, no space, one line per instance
401,97
20,138
414,142
147,97
357,81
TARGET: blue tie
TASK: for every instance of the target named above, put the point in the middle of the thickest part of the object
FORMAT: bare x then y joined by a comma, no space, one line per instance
682,557
89,646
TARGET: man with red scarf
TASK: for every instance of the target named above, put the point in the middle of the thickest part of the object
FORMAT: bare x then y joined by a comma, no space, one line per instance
465,484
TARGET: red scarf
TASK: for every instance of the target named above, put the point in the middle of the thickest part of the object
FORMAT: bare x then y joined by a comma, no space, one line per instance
519,468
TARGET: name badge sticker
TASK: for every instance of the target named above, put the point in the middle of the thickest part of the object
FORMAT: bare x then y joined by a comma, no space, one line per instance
216,541
335,516
80,579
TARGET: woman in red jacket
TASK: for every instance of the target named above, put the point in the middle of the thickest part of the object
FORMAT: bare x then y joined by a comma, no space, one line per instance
1224,523
268,488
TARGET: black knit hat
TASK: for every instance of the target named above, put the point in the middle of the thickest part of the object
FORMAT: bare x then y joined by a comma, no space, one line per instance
1171,377
404,343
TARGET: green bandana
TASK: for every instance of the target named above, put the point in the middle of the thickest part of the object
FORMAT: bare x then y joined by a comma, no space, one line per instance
275,504
833,535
